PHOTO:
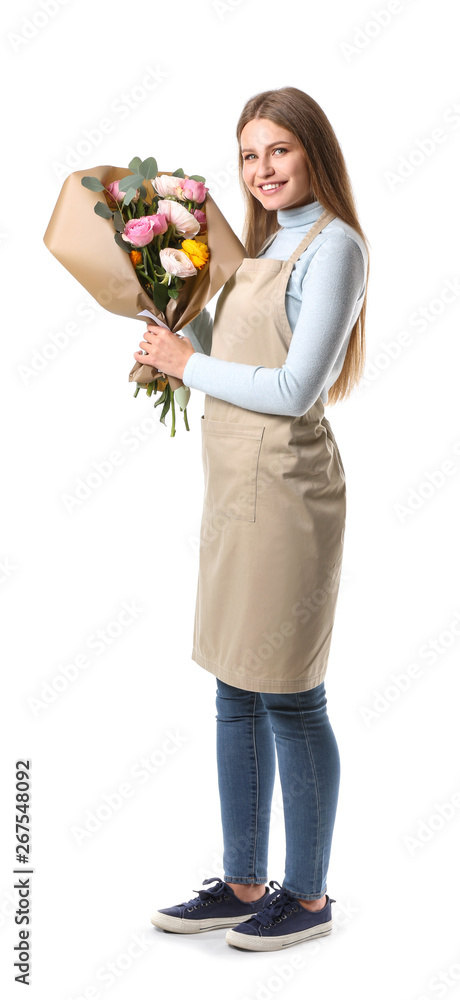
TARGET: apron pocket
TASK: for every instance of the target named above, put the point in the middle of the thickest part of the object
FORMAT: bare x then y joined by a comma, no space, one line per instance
230,454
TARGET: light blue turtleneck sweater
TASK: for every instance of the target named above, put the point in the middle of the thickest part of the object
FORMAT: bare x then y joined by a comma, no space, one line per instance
324,296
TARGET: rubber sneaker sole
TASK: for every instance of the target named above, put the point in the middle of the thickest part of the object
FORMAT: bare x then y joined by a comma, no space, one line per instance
252,942
179,925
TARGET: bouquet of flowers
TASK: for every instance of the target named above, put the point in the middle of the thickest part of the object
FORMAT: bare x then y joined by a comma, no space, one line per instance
145,244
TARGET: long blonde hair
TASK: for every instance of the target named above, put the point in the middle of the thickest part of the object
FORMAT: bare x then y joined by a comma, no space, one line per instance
296,111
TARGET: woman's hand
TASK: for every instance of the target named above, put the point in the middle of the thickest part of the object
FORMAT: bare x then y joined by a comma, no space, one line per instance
165,350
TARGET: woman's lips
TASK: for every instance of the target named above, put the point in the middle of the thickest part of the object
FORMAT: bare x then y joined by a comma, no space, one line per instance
279,184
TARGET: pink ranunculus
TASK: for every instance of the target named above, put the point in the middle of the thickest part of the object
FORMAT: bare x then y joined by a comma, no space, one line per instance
177,215
176,262
116,194
140,232
166,185
201,218
194,190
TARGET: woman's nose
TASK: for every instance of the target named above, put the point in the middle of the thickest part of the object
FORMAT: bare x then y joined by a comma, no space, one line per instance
265,170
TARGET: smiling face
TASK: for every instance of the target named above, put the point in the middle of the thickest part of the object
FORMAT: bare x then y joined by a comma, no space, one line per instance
274,156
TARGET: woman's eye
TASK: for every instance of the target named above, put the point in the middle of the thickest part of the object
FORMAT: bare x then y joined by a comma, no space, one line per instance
278,149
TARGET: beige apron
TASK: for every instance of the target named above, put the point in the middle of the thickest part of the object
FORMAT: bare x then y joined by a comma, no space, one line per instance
273,523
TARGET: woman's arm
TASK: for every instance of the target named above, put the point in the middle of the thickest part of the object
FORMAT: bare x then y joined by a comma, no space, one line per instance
331,288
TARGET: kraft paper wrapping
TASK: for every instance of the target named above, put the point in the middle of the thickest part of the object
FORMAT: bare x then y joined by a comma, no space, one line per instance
84,243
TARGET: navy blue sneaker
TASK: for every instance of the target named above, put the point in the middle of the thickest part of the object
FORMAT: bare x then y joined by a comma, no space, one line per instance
212,908
280,922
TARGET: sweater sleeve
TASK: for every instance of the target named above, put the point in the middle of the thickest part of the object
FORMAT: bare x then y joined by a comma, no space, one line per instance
333,283
199,332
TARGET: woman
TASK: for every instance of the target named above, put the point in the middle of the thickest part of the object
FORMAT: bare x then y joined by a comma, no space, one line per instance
287,337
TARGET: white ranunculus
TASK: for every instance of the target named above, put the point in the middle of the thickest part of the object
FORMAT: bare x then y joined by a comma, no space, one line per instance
166,185
178,216
176,262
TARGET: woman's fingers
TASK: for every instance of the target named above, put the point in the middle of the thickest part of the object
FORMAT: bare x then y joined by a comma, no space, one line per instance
153,333
154,330
146,344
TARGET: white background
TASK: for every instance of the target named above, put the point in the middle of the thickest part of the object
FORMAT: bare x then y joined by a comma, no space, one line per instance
387,77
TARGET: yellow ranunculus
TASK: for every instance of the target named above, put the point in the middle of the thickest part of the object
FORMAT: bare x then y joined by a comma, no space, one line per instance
197,252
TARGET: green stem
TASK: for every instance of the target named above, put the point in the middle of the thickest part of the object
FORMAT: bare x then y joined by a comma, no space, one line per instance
146,276
173,412
151,262
167,236
185,419
120,204
162,279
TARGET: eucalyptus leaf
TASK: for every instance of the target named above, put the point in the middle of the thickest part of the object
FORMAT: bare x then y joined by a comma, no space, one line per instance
131,180
178,173
134,165
102,210
129,195
92,183
197,177
118,222
143,191
122,243
148,168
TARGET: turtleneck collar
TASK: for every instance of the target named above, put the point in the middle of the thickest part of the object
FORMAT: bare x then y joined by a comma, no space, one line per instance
302,215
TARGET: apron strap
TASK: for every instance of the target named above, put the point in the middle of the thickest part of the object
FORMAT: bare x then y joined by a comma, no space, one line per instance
267,242
317,227
325,218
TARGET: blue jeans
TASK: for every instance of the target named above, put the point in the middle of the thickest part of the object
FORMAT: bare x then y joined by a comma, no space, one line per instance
249,727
